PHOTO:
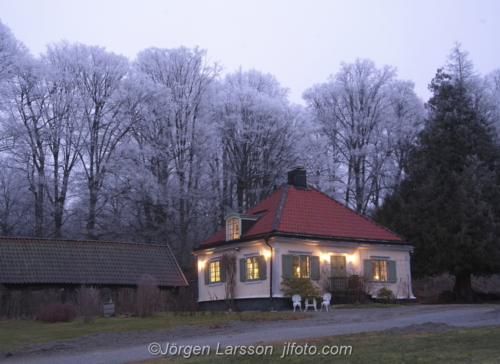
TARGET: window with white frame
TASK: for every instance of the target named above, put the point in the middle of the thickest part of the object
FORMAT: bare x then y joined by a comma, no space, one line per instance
233,229
379,270
214,271
252,268
301,266
296,265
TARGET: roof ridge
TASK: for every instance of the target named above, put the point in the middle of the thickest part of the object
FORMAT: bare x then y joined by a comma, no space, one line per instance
279,209
19,238
359,214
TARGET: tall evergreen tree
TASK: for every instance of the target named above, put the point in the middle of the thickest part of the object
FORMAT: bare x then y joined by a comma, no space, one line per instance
448,204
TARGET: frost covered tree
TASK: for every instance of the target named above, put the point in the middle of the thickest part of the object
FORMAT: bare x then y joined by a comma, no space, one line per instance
11,52
22,160
63,128
359,109
24,103
15,201
259,137
98,76
491,99
173,138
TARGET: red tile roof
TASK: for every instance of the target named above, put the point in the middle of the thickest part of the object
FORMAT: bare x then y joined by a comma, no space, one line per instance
309,212
38,260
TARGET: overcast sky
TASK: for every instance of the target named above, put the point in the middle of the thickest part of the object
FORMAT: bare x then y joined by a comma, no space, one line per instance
300,42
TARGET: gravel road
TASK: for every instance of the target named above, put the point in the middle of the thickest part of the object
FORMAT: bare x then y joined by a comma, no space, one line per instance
118,347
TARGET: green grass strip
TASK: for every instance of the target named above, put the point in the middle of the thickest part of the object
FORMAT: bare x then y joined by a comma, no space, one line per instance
23,332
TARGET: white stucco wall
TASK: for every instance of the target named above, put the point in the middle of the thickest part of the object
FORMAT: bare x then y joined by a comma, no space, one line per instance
253,289
355,254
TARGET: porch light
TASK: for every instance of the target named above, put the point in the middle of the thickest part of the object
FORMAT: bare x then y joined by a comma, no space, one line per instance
201,264
350,258
325,257
266,254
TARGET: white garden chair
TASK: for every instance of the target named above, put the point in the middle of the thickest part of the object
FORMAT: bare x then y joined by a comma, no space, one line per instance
308,304
326,301
297,302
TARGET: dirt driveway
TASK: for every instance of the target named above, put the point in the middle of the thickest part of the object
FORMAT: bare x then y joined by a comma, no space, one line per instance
125,347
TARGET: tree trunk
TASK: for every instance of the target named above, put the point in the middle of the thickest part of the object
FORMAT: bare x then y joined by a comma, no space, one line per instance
92,214
463,287
39,210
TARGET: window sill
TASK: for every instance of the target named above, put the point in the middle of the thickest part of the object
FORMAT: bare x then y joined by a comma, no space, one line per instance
381,283
215,284
253,282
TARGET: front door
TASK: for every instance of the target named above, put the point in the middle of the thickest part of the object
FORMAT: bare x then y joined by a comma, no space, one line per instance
338,266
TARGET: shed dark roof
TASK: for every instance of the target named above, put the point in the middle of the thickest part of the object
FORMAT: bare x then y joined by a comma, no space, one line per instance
309,212
41,260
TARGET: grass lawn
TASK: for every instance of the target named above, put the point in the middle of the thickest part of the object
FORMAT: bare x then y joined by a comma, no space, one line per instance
15,333
475,345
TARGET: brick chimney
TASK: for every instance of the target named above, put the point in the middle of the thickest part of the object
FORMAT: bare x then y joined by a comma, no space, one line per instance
297,177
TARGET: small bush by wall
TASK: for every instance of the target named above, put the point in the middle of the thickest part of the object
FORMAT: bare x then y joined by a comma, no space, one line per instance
385,295
301,286
148,295
89,303
57,312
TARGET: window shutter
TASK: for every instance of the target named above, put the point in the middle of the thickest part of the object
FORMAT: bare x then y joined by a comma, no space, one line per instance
367,266
262,267
207,273
243,269
222,270
315,267
391,268
287,261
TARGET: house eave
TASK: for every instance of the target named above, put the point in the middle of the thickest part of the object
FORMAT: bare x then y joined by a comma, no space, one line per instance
305,236
342,239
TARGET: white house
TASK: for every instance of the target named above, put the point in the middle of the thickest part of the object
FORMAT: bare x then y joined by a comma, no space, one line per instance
299,232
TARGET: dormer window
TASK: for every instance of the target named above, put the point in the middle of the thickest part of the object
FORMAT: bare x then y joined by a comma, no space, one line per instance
233,228
238,224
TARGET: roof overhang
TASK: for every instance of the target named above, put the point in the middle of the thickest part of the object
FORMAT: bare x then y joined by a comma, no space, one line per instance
318,238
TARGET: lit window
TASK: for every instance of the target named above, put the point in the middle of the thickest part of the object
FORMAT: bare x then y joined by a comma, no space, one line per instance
252,268
233,229
214,271
379,270
301,266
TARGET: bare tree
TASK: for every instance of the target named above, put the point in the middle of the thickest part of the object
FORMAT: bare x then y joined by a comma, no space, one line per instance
98,76
357,110
11,51
182,78
15,204
25,109
259,135
62,114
